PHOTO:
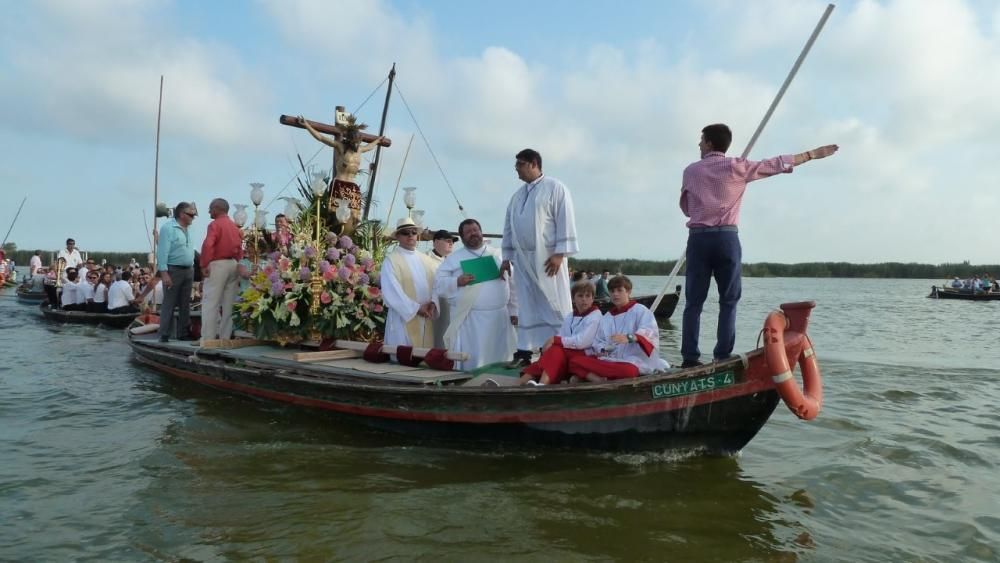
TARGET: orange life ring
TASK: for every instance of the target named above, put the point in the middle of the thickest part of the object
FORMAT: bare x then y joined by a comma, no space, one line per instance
803,404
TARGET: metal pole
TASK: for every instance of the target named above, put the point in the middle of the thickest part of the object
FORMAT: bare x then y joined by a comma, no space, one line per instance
378,149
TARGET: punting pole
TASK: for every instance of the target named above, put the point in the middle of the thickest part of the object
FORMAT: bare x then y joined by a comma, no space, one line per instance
760,128
156,171
16,215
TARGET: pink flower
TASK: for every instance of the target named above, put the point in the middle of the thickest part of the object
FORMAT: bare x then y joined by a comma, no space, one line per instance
378,308
284,264
291,305
325,298
373,291
330,274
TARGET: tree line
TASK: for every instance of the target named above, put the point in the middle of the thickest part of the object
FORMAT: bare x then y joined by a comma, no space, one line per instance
801,270
662,268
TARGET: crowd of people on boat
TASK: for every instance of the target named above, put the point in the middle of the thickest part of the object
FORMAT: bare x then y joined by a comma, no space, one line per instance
489,304
976,284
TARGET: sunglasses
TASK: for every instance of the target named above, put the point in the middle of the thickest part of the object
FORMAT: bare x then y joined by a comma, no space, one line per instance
91,277
191,215
407,233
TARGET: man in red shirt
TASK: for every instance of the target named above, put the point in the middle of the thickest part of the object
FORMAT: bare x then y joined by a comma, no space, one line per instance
220,254
711,195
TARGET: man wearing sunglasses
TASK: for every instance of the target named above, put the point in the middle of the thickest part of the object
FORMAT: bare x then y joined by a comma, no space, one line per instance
407,289
175,264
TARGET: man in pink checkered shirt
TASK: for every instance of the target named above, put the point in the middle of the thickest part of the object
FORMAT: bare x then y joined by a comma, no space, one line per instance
711,195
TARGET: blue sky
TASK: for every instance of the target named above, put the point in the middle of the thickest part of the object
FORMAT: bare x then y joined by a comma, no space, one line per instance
613,97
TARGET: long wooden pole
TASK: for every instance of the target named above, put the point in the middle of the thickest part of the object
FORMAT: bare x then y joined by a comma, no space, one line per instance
156,172
760,128
16,215
373,171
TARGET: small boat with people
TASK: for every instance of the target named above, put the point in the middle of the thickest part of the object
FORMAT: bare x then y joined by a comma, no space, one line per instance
983,287
663,311
715,408
111,320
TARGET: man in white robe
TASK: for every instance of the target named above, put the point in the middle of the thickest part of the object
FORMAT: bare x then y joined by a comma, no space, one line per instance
483,313
539,231
407,289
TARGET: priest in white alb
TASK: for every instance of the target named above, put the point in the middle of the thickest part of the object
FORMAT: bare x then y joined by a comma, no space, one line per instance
539,232
407,289
483,312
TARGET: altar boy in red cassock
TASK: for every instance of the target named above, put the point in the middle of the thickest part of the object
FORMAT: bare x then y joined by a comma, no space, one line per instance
627,341
576,335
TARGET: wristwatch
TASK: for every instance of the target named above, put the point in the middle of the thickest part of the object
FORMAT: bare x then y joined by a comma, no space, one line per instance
631,338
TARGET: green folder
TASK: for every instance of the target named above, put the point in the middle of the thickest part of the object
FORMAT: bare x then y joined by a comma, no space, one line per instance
483,269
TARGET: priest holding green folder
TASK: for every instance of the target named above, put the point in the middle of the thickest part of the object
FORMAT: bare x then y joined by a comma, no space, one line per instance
483,304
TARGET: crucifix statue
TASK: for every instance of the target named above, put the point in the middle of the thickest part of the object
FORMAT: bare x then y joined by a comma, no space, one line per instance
349,142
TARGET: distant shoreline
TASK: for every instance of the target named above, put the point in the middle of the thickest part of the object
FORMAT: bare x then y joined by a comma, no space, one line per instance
896,270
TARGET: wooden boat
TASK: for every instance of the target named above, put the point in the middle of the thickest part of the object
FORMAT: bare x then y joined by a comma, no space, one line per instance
26,293
952,293
715,408
105,319
663,311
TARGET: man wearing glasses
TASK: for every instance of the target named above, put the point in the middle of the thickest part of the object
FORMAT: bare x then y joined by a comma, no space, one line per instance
175,264
539,231
407,289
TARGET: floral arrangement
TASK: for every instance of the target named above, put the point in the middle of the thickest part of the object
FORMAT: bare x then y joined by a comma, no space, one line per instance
279,302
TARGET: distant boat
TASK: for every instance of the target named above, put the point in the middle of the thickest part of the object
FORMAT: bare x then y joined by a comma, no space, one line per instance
663,311
83,317
968,295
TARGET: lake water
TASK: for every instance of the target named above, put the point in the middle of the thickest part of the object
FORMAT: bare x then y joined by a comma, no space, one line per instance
103,459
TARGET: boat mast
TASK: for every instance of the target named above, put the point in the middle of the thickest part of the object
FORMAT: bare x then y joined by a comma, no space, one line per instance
378,149
156,172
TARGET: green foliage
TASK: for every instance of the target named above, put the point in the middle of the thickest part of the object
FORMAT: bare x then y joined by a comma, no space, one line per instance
911,270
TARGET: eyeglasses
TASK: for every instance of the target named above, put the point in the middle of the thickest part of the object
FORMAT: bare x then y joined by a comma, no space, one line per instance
191,215
91,277
407,233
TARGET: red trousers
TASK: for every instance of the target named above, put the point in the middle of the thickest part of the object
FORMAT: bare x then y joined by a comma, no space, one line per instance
555,362
582,365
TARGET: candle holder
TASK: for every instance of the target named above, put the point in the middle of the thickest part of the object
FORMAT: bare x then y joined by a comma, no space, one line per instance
256,196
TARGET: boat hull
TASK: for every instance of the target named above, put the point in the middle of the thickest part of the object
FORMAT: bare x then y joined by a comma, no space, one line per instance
81,317
949,293
717,408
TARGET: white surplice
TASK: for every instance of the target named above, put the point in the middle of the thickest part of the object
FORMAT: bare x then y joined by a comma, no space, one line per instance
637,320
444,315
539,223
480,313
402,307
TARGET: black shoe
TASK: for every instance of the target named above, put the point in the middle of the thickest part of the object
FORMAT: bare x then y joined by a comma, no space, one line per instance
187,338
519,363
691,364
164,339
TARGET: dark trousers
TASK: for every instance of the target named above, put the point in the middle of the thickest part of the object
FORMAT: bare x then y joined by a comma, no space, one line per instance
717,254
177,295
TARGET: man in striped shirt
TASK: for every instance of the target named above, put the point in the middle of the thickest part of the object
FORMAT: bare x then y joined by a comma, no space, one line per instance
711,194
